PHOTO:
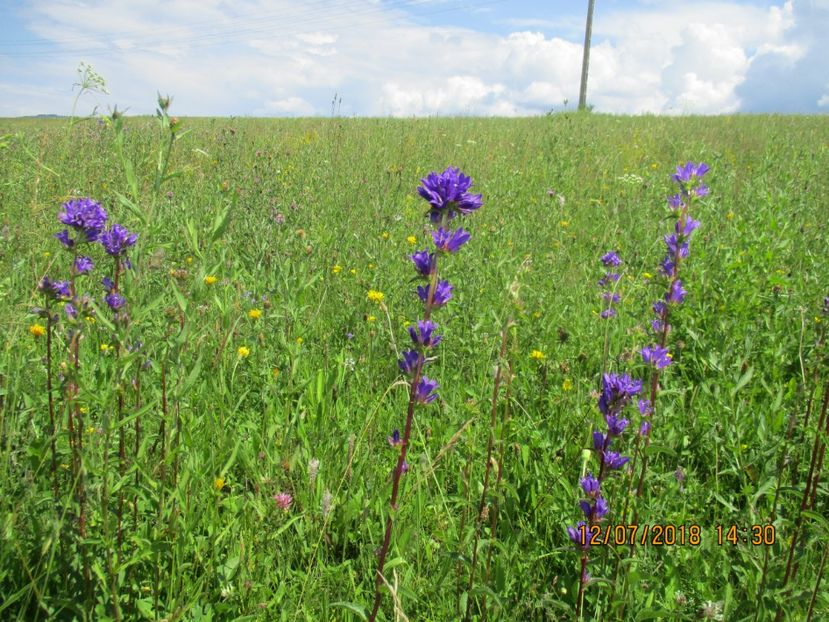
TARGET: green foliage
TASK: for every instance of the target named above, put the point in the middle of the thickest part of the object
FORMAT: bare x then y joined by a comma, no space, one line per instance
295,220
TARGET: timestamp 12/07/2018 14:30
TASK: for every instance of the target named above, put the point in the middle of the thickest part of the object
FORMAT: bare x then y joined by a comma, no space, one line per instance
676,535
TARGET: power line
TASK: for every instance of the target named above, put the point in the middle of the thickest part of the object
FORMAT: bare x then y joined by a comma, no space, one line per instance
317,19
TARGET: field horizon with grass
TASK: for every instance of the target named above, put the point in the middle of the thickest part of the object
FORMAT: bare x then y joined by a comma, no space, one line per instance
221,444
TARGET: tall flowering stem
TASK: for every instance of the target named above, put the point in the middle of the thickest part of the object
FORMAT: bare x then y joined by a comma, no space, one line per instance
116,241
617,393
84,220
448,196
610,260
688,177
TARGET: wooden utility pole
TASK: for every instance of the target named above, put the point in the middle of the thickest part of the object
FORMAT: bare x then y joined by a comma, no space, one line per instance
585,62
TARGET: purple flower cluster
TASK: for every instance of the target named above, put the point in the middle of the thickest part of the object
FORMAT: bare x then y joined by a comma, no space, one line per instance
86,220
678,246
617,393
448,196
610,260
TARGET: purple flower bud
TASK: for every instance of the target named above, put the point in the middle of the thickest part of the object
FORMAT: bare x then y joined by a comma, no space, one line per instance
580,534
395,440
422,335
424,262
615,425
689,227
450,241
590,485
608,313
676,246
611,259
108,284
117,239
62,289
676,202
614,460
424,391
599,441
408,364
676,294
644,428
70,310
63,238
115,301
83,265
443,293
656,356
689,172
645,408
611,297
610,277
616,392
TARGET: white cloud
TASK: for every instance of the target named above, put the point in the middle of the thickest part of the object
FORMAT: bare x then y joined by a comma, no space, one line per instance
287,57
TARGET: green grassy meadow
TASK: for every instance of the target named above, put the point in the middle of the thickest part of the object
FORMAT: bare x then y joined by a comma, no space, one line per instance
220,409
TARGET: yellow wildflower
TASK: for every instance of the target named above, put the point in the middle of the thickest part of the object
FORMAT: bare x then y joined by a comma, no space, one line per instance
537,355
371,266
275,373
210,280
47,254
105,347
299,341
375,296
647,275
189,260
567,385
563,223
412,240
243,352
219,483
353,271
386,235
37,330
730,215
255,314
90,320
371,318
337,269
84,410
654,166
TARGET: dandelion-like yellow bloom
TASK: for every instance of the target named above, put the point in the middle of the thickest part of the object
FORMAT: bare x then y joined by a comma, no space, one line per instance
255,314
537,314
563,223
375,296
412,240
105,347
189,260
243,352
386,235
337,269
219,483
406,323
90,320
47,254
730,215
210,279
84,410
537,355
371,318
654,166
567,385
647,275
353,271
371,266
299,341
37,330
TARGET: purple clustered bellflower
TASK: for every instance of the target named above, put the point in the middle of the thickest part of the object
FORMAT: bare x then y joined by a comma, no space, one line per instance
688,177
86,220
448,196
610,260
617,392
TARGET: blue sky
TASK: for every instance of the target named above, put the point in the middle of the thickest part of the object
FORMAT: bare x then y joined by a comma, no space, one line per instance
415,57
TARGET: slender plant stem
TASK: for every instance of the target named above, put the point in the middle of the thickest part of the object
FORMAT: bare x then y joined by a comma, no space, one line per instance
404,446
493,421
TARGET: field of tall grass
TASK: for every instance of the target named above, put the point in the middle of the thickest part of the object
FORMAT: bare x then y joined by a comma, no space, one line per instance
231,452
